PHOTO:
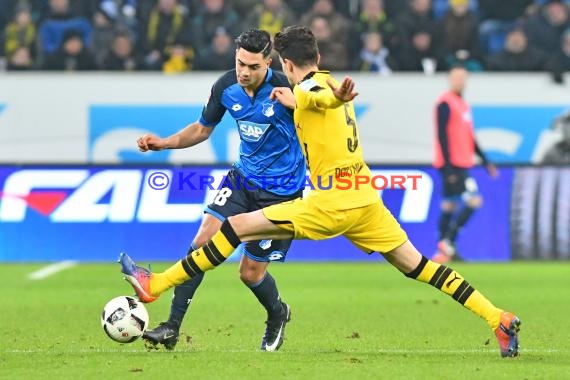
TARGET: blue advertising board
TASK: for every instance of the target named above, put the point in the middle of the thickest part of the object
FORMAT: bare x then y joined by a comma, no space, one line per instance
91,213
512,132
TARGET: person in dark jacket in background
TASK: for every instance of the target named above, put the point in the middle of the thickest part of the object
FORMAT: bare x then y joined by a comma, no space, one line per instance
72,55
517,55
559,153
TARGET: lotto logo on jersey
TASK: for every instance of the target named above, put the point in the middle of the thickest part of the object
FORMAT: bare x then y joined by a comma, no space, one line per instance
252,132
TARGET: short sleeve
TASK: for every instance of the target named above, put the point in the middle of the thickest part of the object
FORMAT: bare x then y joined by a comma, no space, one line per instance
214,110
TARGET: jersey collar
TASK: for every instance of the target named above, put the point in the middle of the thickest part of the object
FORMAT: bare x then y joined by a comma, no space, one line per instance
268,75
312,73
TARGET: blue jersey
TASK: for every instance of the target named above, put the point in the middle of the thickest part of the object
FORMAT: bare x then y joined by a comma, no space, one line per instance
270,154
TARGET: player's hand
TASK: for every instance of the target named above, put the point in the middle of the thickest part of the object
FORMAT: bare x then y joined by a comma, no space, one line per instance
492,170
150,142
345,91
284,95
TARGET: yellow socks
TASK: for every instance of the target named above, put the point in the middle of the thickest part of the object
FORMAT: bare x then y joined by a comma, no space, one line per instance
450,282
175,275
215,252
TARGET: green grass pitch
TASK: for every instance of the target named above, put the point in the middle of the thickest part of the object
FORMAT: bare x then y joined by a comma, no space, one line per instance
349,321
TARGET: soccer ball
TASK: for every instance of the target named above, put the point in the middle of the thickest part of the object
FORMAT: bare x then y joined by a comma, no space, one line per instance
124,319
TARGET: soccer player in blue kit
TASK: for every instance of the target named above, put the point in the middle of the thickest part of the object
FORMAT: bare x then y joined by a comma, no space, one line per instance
270,169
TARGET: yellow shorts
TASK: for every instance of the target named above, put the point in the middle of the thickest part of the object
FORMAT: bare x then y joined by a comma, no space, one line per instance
371,228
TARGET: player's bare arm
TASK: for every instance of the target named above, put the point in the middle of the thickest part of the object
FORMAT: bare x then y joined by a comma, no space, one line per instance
191,135
148,141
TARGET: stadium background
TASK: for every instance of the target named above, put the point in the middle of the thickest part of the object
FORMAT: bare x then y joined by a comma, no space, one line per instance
74,192
69,158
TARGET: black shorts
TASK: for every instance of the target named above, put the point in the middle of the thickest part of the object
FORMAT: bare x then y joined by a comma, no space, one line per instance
237,196
464,185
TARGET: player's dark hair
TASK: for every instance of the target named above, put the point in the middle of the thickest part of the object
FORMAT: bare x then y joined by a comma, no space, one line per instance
255,41
297,44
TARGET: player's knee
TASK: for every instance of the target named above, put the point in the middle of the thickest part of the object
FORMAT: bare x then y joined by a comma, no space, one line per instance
199,241
251,271
246,277
209,226
203,236
447,206
251,274
475,202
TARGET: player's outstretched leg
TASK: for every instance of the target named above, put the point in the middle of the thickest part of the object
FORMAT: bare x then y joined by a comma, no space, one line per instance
149,286
505,325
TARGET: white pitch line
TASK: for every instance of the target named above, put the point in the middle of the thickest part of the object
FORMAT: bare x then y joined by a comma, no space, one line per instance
396,351
51,269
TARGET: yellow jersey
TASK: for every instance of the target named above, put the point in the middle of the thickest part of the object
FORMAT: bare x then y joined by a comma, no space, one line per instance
328,133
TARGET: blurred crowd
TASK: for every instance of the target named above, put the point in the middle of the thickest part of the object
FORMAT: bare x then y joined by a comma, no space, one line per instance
380,36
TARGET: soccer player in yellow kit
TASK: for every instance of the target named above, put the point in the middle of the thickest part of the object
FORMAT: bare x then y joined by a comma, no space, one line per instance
327,131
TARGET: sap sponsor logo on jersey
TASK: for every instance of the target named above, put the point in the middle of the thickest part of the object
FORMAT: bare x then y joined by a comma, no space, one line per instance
122,196
252,131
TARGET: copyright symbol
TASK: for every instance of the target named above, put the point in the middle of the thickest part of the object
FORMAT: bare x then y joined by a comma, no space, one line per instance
158,181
